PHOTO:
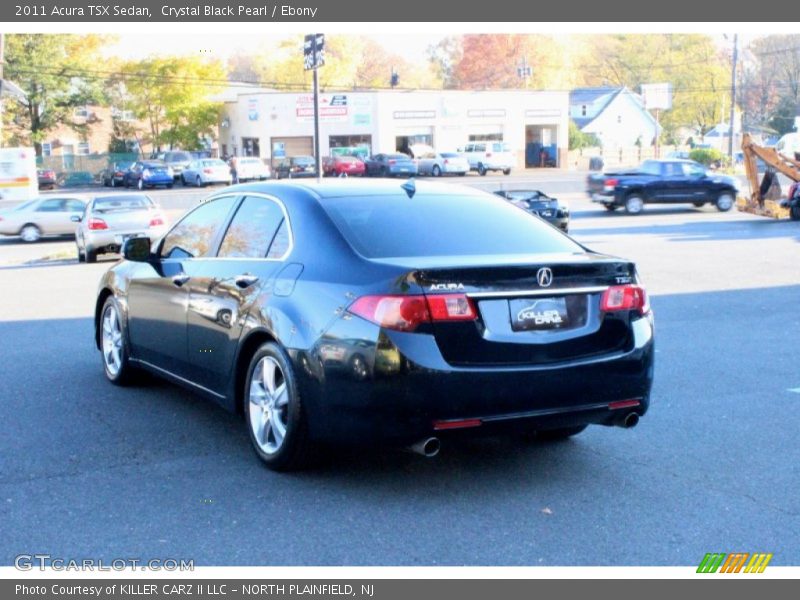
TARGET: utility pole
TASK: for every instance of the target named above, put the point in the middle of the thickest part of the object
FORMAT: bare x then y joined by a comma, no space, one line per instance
313,59
317,157
733,95
524,71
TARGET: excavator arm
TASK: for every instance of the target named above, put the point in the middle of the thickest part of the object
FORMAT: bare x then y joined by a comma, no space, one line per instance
764,194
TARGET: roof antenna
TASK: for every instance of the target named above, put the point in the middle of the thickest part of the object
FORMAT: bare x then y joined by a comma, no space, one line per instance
410,187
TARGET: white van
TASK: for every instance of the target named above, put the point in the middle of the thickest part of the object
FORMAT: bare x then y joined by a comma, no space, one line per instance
18,180
789,145
489,156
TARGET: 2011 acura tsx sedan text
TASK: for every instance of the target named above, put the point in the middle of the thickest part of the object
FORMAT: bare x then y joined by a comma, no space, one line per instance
374,312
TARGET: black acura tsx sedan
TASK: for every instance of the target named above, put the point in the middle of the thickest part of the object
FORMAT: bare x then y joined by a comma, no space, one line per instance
379,312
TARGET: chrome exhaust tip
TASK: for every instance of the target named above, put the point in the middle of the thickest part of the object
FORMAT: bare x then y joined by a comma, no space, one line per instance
427,447
631,420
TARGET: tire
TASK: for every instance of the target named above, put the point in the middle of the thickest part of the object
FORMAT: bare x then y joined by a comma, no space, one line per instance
30,233
140,184
552,435
634,204
698,204
481,170
276,420
90,256
198,182
358,367
183,181
436,171
114,346
725,202
81,255
506,171
794,212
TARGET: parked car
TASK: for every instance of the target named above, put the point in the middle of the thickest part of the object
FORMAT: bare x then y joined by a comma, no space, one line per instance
540,204
114,174
110,220
489,156
662,181
46,179
44,216
251,168
206,171
148,173
390,165
177,160
470,316
442,163
296,166
336,166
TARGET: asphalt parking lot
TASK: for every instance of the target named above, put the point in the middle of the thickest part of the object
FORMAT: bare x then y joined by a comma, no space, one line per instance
91,470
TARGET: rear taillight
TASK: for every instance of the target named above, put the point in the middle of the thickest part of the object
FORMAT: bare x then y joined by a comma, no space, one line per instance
406,313
610,184
208,171
447,162
156,221
392,162
96,224
488,155
625,297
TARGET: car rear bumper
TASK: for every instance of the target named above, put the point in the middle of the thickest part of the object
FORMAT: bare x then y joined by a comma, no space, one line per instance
166,180
410,394
109,241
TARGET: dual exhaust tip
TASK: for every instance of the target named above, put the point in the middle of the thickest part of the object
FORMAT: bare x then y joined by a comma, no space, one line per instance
430,446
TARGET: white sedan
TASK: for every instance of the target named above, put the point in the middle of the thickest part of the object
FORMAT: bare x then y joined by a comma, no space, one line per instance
442,163
51,215
251,168
205,171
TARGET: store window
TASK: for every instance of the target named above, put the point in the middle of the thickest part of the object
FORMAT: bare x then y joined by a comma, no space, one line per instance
486,137
250,147
47,149
351,145
83,149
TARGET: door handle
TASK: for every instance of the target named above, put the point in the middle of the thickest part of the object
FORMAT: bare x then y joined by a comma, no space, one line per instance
179,280
245,281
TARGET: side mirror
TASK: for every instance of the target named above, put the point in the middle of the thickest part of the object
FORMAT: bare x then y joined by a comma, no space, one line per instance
136,249
76,218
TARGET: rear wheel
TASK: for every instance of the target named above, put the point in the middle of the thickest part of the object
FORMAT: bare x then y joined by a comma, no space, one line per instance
275,416
506,171
481,170
90,256
30,233
81,255
436,171
634,204
724,202
140,184
198,182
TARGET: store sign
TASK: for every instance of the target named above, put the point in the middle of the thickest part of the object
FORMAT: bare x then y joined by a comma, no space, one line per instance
486,112
333,108
657,96
252,109
414,114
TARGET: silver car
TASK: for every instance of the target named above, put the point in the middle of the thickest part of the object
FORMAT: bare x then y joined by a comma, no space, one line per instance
442,163
49,215
205,171
109,220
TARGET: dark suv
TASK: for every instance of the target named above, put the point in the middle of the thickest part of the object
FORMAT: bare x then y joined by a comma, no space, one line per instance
178,160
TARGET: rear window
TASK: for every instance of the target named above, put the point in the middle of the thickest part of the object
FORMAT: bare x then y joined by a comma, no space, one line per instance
303,160
449,155
182,156
107,203
435,225
397,156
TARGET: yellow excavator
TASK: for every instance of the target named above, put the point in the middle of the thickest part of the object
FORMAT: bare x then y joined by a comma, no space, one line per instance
765,196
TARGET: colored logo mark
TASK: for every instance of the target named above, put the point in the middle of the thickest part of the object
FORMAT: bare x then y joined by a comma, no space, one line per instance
736,562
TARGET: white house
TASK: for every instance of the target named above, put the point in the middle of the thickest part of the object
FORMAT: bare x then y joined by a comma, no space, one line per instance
616,115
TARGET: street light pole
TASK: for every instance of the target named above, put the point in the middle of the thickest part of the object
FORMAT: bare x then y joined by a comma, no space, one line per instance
733,95
317,157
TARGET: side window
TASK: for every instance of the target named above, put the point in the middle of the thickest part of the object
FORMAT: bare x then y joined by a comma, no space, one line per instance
193,235
54,205
75,206
252,229
693,170
480,147
280,243
469,148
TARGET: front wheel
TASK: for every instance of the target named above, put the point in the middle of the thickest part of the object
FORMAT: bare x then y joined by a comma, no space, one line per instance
725,202
436,171
481,170
634,204
114,350
275,417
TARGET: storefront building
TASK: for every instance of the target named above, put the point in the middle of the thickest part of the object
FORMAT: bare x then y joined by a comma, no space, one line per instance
276,125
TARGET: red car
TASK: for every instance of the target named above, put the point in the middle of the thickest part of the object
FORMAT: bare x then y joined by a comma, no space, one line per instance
47,178
338,166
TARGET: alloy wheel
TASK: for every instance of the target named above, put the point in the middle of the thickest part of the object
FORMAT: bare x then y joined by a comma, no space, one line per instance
112,341
269,405
30,233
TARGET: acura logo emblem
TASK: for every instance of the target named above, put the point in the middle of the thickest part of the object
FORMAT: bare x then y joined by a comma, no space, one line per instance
544,276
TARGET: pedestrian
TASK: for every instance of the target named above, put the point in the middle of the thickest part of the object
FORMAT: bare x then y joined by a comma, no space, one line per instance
234,170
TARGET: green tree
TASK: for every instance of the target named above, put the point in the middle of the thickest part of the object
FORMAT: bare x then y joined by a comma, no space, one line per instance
174,97
578,139
55,72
